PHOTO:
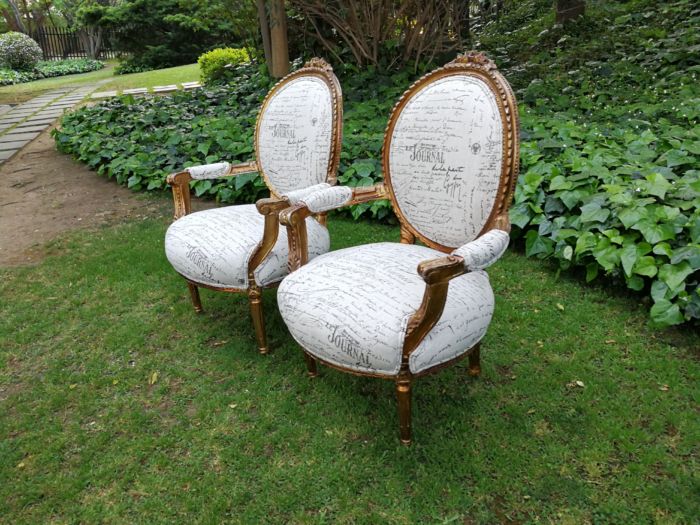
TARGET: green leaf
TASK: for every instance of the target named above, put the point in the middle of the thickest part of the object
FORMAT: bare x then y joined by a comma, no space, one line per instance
629,216
628,257
657,185
606,254
519,215
664,313
592,212
674,274
653,232
537,245
690,253
678,157
635,282
645,266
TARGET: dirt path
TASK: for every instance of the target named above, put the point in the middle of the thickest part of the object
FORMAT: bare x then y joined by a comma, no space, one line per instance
44,193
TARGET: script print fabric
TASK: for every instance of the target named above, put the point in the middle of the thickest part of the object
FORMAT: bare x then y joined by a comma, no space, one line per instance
351,308
213,247
445,159
294,142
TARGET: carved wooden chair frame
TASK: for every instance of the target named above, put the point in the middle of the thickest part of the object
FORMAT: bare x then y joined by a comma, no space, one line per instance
438,272
269,207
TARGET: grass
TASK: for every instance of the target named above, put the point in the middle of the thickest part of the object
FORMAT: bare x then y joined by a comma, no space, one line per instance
158,77
118,404
21,92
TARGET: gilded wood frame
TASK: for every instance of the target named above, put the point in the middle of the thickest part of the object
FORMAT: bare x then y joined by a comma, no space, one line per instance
438,272
269,207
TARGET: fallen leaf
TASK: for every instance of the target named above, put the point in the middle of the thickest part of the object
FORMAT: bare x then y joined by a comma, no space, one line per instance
20,464
154,377
610,341
664,388
72,386
233,405
560,306
576,384
115,381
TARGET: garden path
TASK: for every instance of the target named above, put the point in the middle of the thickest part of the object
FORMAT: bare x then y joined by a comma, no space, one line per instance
24,122
44,194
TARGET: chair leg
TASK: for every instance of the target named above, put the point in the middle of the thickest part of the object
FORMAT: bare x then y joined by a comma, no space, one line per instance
475,361
194,294
403,394
311,368
256,310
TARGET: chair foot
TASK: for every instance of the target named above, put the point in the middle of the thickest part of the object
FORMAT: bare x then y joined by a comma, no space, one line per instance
403,395
311,366
475,361
194,294
256,311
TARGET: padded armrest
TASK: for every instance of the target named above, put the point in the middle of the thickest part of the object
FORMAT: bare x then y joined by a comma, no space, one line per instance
297,196
328,199
484,251
220,169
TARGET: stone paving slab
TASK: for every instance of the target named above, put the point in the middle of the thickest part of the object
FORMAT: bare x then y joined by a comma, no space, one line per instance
39,121
30,129
14,146
14,135
165,89
4,155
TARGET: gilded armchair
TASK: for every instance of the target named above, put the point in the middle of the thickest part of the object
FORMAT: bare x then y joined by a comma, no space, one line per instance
241,248
400,310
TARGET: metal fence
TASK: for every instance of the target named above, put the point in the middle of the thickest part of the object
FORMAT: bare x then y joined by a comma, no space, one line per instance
59,44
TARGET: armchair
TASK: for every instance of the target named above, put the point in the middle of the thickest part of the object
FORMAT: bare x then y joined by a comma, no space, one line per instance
240,248
399,311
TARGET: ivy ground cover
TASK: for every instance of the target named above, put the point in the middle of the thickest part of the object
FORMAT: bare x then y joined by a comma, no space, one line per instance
610,157
119,404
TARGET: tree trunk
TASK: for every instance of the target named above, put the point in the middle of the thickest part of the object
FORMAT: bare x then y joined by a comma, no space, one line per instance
264,32
278,37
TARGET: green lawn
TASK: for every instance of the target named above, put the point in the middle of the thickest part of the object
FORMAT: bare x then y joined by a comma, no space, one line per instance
118,404
175,75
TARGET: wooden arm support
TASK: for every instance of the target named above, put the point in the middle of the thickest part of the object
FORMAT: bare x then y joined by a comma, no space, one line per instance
270,208
294,218
437,274
180,184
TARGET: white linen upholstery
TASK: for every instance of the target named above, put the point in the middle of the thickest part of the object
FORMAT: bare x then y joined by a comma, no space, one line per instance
209,171
351,308
484,251
327,199
213,247
294,134
296,196
445,158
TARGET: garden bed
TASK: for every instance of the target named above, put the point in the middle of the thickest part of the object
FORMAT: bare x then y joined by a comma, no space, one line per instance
48,69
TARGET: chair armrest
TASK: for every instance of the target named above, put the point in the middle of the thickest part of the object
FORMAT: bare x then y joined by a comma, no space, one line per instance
485,250
294,217
296,196
220,170
180,182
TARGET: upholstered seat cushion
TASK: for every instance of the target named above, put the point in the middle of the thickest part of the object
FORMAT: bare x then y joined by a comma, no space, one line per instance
213,247
351,308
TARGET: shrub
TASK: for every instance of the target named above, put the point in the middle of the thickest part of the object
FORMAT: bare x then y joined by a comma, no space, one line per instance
19,51
212,64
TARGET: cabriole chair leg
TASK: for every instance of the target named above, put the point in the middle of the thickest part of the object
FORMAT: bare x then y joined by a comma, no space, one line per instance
475,361
403,395
194,294
256,310
311,367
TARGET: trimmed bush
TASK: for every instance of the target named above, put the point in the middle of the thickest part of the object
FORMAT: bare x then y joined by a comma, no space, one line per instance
19,51
212,65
